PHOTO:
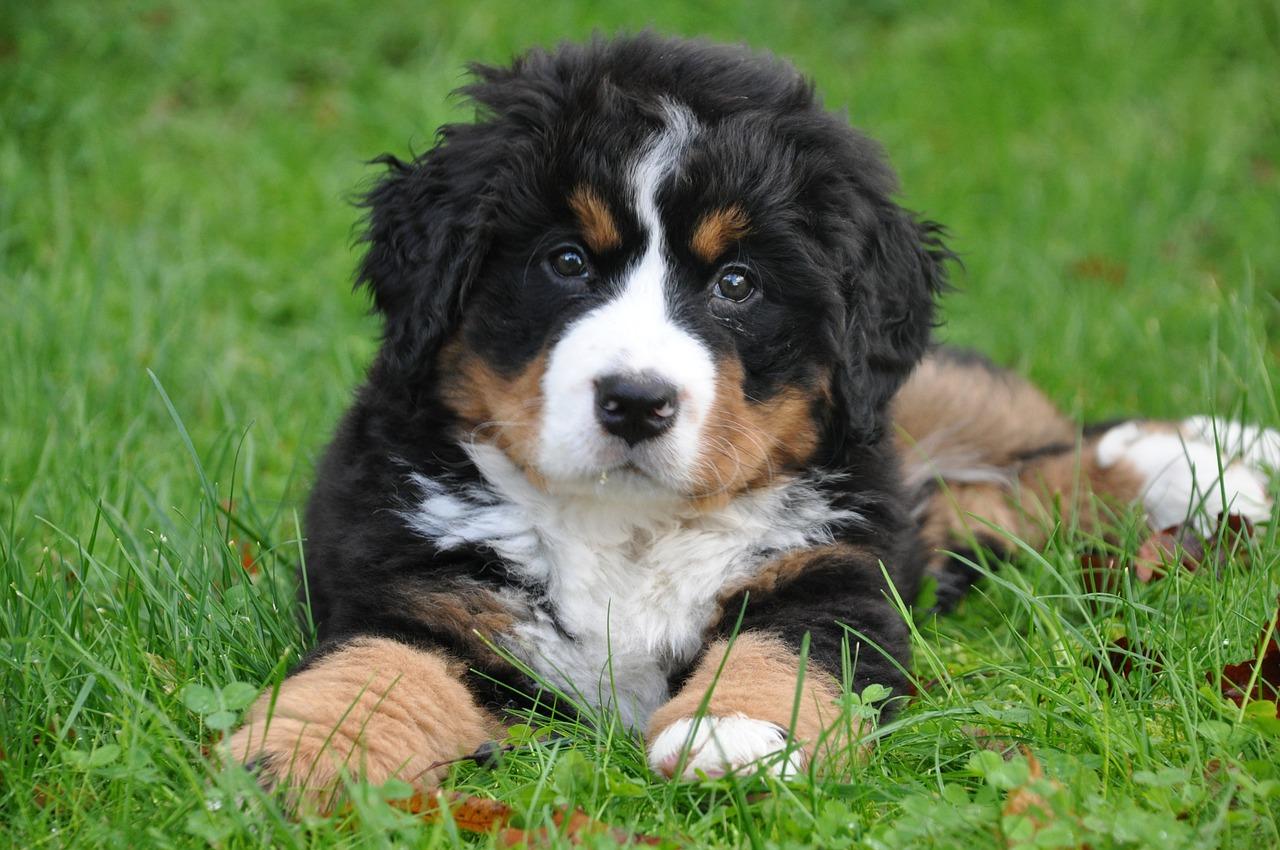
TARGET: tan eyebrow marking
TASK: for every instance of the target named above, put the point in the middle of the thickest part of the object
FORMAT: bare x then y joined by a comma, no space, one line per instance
717,230
598,227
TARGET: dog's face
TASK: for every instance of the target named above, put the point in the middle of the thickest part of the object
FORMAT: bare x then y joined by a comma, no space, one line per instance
652,266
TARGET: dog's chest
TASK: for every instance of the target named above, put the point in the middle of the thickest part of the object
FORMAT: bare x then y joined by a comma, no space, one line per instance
612,618
612,596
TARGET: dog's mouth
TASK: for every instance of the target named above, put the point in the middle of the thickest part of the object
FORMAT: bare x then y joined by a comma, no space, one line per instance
628,478
628,468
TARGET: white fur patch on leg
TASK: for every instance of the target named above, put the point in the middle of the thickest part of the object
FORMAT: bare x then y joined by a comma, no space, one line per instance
723,744
1185,479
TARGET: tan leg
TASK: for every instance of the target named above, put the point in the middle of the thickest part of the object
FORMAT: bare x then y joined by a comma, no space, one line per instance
1069,485
374,708
749,714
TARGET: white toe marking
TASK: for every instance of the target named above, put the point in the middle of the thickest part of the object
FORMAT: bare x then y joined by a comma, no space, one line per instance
1251,444
1116,442
1185,478
723,744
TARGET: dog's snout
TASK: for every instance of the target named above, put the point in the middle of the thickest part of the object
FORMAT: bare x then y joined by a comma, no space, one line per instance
635,407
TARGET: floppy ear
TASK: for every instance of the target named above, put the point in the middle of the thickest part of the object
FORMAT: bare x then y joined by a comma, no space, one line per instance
899,273
428,232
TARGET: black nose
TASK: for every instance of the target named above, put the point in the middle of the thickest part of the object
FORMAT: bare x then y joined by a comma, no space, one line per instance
635,407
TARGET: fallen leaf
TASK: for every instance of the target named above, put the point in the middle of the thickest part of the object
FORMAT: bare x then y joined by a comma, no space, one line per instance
1178,546
157,19
1234,533
1218,775
247,561
1169,547
51,727
1100,572
1263,170
472,814
1095,267
481,815
1024,801
1121,655
985,739
210,747
1263,670
915,689
1027,802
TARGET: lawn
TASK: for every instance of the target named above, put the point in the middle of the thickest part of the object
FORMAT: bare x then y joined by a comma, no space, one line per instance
178,337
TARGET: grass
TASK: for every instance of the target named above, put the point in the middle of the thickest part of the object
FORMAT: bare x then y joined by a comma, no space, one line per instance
178,338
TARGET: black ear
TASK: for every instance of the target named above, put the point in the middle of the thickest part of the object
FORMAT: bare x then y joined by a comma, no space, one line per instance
898,273
428,231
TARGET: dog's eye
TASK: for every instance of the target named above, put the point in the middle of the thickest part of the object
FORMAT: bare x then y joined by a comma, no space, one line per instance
568,262
734,284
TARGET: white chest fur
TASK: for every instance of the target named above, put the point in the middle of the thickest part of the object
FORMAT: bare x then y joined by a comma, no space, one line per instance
625,586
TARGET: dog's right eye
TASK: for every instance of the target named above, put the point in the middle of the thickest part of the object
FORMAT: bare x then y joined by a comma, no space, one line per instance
569,262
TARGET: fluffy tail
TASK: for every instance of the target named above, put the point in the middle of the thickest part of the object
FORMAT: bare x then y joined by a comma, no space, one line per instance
982,447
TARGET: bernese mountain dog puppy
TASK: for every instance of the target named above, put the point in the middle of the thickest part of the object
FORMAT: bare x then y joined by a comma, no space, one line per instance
656,408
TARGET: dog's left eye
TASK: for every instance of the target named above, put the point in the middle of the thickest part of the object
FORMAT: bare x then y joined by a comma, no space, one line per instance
569,262
734,284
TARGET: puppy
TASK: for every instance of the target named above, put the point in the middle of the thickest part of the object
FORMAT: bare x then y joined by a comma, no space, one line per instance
656,408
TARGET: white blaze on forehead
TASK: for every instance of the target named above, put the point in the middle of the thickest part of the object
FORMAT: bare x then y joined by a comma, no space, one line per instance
658,161
631,333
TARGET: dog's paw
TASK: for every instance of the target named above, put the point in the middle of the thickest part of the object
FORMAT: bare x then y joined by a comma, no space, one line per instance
715,746
1183,478
1254,446
303,761
373,709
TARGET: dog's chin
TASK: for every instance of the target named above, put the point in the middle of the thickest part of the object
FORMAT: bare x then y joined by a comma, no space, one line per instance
628,481
617,473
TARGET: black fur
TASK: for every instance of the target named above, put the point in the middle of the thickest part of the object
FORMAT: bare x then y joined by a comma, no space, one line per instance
456,239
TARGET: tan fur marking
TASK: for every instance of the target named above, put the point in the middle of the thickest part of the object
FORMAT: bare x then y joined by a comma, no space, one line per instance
979,429
786,568
759,681
474,617
745,444
717,230
463,611
1083,490
1069,486
376,708
956,414
497,409
594,219
782,570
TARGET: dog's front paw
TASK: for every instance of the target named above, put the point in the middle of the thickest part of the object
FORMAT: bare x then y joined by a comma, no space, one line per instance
301,760
715,746
373,709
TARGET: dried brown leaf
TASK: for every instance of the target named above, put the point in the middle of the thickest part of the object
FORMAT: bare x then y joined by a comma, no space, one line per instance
1168,548
1100,572
247,561
1258,678
481,815
1178,546
1097,267
985,739
1122,655
1029,803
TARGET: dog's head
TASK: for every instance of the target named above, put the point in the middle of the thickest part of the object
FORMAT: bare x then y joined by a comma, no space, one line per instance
652,261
